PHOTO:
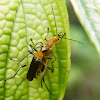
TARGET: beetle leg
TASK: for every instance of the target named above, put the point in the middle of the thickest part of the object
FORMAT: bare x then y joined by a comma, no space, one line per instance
17,72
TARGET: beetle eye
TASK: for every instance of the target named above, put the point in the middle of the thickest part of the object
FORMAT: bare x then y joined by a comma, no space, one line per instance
44,51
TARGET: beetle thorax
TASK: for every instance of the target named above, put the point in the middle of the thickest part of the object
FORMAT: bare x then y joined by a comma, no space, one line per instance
39,55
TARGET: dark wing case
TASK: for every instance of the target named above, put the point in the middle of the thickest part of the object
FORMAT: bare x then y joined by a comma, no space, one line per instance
33,68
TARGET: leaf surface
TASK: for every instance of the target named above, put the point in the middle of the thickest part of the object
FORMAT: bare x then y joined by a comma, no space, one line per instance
21,20
88,13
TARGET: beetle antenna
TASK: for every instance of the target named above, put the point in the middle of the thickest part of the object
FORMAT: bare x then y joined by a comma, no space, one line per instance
61,64
74,40
54,18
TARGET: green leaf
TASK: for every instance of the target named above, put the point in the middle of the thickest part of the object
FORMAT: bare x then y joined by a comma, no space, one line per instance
21,20
88,12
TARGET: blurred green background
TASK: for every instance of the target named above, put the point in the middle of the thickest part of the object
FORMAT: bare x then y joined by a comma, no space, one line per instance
84,83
